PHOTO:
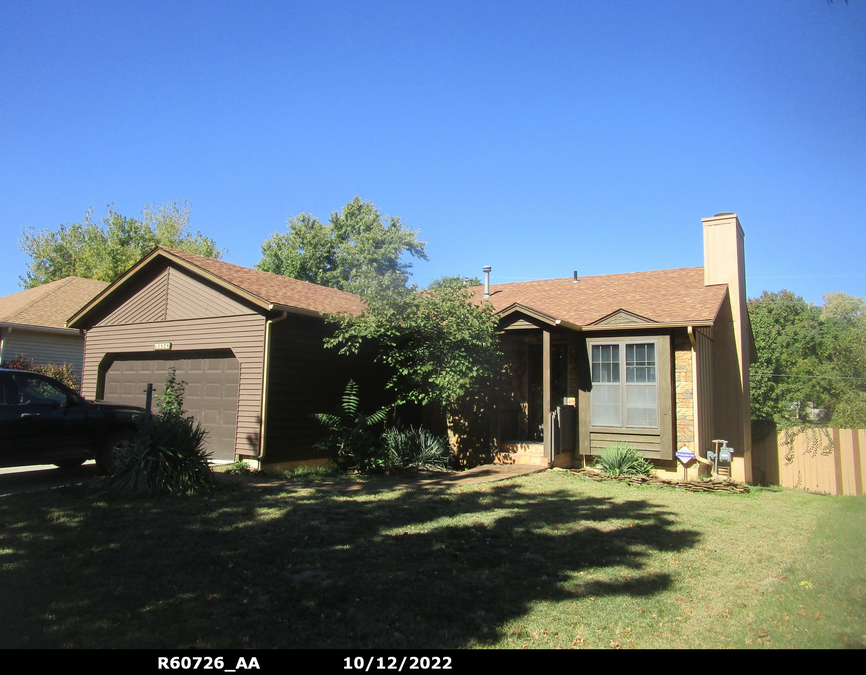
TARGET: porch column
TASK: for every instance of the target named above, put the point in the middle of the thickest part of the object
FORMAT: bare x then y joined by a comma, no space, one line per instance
545,397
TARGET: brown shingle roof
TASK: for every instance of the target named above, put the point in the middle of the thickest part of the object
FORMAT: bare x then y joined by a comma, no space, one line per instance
49,305
275,289
664,296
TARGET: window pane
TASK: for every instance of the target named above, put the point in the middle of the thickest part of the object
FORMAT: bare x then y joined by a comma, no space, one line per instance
606,407
641,406
605,363
640,363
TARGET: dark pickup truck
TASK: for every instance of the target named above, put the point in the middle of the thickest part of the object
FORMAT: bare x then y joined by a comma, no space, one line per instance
42,421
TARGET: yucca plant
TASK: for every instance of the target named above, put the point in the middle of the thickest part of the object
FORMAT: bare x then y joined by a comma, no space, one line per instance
415,448
168,456
351,439
621,459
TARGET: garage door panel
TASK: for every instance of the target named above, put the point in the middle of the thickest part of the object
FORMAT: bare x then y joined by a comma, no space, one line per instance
210,395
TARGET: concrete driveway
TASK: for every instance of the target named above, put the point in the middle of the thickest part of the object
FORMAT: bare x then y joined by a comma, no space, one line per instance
43,477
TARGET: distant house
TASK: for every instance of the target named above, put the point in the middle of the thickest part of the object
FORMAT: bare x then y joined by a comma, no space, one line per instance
248,344
33,322
658,360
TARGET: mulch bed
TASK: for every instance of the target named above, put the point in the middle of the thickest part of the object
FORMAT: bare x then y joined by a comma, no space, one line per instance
712,485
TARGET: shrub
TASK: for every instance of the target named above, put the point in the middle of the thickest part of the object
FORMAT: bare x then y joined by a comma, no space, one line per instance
415,448
351,439
621,459
168,455
170,401
61,372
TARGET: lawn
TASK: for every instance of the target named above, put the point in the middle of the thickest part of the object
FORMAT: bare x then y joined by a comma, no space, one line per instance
547,560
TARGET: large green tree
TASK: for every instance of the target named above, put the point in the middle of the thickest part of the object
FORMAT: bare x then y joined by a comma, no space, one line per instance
809,355
358,250
439,344
458,281
103,248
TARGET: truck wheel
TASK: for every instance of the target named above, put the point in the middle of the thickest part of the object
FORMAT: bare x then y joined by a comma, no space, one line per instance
106,460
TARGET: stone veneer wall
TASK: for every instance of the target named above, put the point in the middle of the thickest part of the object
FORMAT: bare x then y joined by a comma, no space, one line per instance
685,393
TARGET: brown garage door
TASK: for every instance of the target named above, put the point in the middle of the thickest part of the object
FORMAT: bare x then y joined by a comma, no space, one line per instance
211,395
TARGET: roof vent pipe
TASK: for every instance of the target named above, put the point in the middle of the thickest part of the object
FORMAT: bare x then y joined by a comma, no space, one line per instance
486,270
575,277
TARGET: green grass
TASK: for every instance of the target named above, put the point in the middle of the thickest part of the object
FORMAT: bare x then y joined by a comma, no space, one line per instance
547,560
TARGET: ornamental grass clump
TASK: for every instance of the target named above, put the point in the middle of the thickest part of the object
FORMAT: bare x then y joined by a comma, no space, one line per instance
415,448
169,454
621,459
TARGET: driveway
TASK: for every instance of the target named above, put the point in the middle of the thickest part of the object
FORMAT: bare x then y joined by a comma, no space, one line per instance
43,477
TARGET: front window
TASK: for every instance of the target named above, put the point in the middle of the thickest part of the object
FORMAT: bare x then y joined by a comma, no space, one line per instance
631,401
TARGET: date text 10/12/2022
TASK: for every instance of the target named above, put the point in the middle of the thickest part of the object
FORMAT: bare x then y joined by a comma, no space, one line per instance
396,663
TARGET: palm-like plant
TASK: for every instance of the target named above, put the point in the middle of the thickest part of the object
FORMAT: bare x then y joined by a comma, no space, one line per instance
351,438
168,456
620,459
415,448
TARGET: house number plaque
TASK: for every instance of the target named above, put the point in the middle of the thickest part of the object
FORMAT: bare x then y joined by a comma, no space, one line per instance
161,346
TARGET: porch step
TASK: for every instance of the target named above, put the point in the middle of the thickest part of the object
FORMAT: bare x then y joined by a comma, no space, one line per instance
530,454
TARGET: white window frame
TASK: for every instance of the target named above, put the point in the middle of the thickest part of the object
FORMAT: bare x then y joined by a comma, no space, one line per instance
622,385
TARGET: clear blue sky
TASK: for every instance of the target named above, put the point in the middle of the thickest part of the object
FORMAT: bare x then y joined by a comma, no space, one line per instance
537,137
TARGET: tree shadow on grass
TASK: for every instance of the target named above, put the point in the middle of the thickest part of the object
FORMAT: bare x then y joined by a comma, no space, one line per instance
244,568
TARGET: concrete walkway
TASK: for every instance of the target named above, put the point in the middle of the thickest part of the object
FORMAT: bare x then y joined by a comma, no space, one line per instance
487,473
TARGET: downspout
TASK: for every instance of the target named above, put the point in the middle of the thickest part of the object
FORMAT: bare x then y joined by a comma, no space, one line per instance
3,333
266,380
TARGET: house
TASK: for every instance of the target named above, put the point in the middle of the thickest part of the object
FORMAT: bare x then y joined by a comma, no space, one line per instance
33,322
658,360
248,344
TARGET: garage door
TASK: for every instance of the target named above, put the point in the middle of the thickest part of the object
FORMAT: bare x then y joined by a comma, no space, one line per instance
211,395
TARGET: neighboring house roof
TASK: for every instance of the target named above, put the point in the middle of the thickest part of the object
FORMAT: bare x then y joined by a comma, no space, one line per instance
676,296
49,305
269,291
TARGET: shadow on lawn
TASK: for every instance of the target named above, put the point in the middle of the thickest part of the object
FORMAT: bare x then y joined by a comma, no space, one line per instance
243,568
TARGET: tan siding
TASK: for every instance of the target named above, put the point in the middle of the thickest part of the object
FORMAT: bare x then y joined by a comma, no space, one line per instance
622,319
172,296
243,335
44,348
727,389
650,444
145,306
190,299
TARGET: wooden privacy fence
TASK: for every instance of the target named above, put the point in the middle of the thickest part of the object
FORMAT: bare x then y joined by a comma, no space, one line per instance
814,458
